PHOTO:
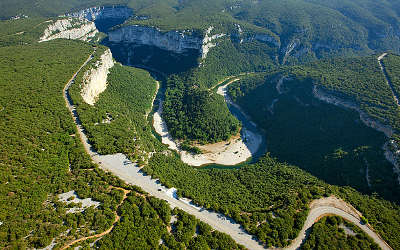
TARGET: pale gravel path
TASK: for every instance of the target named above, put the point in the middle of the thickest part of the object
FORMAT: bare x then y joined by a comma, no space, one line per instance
122,167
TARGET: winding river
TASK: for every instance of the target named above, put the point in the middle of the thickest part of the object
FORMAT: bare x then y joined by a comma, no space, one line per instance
122,167
250,144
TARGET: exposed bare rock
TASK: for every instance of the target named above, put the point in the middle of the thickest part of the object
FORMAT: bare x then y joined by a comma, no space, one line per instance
70,28
95,79
208,42
103,12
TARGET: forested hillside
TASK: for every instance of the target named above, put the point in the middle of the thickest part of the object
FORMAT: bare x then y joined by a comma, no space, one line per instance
306,29
360,80
335,233
193,113
39,146
315,149
118,121
41,156
330,142
22,31
392,66
257,196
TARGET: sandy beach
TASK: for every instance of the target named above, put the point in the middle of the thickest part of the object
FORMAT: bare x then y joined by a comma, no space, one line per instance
232,152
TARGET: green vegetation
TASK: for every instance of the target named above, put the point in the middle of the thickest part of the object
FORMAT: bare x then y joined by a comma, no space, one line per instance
359,80
118,122
38,146
330,142
154,217
41,156
248,195
319,28
270,199
48,8
192,113
21,32
335,233
392,66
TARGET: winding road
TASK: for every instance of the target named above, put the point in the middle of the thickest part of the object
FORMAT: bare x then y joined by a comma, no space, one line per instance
122,167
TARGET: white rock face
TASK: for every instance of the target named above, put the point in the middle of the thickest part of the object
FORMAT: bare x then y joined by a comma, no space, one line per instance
103,12
70,28
176,41
208,42
95,80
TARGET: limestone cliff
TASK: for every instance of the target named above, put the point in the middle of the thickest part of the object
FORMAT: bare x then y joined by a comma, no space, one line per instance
176,41
95,79
69,28
208,41
103,12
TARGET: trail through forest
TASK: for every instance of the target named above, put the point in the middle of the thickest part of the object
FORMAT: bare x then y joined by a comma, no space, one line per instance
117,218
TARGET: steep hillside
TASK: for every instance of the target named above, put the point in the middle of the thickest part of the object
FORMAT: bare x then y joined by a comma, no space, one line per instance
52,195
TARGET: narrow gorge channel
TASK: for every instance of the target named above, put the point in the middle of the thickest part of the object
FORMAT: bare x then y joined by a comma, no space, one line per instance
165,53
251,137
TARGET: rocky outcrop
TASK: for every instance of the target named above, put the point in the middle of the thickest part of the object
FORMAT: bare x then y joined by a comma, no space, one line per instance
95,79
208,42
70,28
176,41
289,48
329,97
240,37
103,12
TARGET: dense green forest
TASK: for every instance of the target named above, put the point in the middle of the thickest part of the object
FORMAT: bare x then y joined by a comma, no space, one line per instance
41,157
38,146
318,28
337,148
359,80
196,114
118,122
335,233
254,193
22,31
154,217
392,66
192,111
